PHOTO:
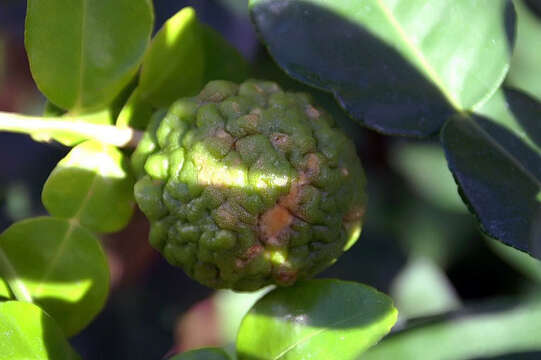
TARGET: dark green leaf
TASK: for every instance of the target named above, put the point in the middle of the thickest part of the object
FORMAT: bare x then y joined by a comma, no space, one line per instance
173,66
525,65
92,185
319,319
487,333
59,265
29,333
202,354
399,67
84,52
497,164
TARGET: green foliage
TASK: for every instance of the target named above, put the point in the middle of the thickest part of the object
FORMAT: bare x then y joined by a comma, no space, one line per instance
82,53
59,265
93,186
317,317
163,80
480,150
416,63
420,69
416,68
30,333
505,327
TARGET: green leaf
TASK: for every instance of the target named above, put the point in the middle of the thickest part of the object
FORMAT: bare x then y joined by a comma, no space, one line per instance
5,293
59,265
524,72
496,163
29,333
397,66
423,165
222,61
136,113
82,53
524,263
173,66
491,331
315,319
231,307
92,185
202,354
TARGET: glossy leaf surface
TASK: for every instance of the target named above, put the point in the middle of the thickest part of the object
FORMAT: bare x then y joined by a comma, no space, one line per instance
29,333
315,319
202,354
173,66
477,334
93,185
524,72
83,52
497,163
397,66
58,265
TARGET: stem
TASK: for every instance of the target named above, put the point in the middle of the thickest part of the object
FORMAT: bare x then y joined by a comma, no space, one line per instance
108,134
17,287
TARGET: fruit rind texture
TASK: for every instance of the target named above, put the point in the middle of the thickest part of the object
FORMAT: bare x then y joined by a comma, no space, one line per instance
247,185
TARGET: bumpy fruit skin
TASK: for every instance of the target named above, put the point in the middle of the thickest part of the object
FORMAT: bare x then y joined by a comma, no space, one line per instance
247,185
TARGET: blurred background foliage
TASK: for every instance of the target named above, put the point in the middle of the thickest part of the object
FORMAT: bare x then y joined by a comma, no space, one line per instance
419,243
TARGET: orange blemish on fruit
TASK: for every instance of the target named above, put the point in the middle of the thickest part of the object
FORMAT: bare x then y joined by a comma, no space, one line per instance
274,223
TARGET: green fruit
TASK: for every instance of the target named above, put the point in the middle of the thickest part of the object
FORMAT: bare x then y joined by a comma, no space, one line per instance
247,185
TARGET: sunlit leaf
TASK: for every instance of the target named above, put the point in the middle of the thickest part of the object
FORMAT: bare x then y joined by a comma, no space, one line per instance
173,66
29,333
482,332
136,113
83,53
59,265
231,307
316,319
93,185
397,66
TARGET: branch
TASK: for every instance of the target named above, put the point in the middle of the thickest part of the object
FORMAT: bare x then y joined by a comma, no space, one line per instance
108,134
